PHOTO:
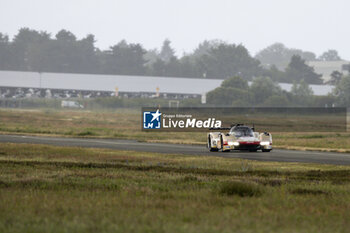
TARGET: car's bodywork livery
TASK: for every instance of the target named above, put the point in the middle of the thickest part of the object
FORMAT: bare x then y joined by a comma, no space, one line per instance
239,137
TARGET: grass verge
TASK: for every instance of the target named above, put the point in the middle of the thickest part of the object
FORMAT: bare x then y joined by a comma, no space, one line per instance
57,189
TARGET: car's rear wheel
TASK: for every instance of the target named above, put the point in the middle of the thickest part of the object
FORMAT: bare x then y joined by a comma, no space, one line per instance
265,150
209,145
253,150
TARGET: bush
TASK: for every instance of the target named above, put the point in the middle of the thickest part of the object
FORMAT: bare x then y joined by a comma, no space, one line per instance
236,82
225,96
240,189
303,191
276,101
87,133
263,88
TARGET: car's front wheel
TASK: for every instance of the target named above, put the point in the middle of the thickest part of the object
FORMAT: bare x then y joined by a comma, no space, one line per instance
222,145
265,150
209,146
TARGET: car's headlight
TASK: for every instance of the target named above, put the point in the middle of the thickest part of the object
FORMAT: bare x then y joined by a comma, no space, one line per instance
233,143
264,143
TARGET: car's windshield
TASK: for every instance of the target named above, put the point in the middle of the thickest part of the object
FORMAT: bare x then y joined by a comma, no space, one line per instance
242,132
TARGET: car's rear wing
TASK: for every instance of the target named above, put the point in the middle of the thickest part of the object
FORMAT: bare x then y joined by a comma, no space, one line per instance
232,125
219,128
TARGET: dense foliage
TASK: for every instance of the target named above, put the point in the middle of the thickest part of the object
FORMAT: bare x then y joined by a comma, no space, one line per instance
36,51
39,51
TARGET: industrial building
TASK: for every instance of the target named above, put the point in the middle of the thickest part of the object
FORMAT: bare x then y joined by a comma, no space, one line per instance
15,84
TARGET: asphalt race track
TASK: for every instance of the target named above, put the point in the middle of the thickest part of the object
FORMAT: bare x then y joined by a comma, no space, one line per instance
275,155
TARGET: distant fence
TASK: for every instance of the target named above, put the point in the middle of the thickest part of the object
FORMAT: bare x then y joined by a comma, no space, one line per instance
96,103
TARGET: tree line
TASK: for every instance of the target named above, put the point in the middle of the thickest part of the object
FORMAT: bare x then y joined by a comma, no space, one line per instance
279,56
39,51
263,92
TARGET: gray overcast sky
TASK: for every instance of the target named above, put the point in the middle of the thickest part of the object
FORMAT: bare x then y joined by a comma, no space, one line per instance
313,25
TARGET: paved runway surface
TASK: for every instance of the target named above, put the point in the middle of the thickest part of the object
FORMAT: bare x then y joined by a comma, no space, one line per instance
275,155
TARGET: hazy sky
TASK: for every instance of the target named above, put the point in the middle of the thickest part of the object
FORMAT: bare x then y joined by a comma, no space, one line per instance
313,25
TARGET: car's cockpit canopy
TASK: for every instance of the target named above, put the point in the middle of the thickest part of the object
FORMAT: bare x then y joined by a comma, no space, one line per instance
241,131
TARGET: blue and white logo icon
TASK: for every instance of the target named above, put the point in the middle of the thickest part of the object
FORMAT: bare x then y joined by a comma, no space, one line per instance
151,120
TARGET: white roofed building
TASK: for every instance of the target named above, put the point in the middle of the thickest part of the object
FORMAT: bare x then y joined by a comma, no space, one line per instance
326,68
124,83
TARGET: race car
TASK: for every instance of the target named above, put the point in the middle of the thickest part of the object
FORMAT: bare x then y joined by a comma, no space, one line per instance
239,137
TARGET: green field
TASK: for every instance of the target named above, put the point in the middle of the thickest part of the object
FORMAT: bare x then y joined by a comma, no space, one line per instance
55,189
125,124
